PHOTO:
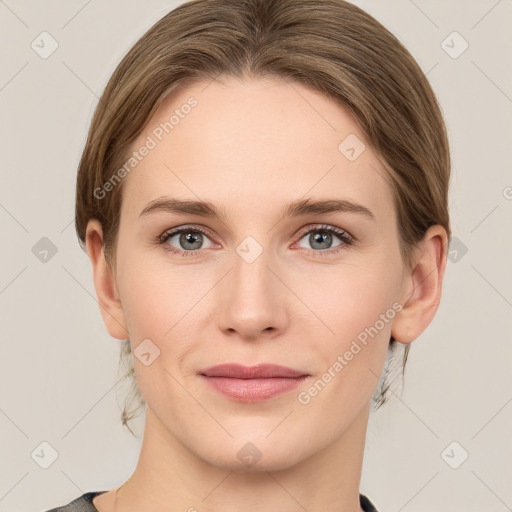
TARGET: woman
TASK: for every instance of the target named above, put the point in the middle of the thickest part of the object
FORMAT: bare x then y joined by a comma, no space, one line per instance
263,197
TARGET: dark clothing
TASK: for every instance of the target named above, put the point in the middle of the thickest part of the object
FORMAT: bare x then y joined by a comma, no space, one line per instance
84,504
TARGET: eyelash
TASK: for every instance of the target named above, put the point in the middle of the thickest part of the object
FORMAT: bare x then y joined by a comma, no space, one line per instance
345,238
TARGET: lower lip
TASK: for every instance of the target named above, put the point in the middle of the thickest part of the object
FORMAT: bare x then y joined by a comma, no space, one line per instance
253,390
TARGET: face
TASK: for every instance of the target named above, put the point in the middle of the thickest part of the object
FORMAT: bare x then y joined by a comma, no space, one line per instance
314,290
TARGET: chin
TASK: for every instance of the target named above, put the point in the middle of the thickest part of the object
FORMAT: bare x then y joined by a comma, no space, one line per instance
276,453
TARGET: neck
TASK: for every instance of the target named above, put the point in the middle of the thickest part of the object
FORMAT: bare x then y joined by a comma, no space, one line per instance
170,475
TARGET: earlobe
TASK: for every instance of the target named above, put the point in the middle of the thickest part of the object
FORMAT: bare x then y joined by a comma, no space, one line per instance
104,283
423,286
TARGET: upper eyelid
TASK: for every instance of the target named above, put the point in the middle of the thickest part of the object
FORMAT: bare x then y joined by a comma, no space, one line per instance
174,231
327,227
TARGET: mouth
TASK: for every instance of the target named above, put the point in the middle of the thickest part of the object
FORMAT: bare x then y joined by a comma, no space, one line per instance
252,383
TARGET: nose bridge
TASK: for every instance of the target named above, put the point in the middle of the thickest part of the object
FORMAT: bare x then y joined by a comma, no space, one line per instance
250,263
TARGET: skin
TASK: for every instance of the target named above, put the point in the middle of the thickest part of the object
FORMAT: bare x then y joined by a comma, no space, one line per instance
250,147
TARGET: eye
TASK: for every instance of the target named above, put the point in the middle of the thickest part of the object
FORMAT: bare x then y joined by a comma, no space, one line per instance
189,240
321,239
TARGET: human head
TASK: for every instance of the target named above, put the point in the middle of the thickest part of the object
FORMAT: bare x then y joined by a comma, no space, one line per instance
330,46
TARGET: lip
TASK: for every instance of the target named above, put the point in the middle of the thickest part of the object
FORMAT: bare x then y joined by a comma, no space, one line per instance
252,383
259,371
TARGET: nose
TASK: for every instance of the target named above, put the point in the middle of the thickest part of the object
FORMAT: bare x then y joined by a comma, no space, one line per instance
252,299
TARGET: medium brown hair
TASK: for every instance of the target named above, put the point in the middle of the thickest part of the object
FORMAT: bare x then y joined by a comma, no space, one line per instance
330,46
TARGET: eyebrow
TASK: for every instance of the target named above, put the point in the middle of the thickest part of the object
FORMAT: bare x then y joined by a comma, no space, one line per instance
298,208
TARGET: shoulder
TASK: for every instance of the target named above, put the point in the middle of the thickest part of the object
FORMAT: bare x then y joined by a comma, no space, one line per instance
81,504
84,504
366,504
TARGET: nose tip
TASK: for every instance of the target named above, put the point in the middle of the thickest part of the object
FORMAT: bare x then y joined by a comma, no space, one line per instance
251,299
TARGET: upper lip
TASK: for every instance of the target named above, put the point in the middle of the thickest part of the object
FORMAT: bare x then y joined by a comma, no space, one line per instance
259,371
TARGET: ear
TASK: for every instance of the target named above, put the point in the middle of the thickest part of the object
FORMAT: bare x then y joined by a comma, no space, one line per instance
422,287
104,282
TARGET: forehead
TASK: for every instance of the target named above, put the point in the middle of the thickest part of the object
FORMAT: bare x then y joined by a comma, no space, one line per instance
254,144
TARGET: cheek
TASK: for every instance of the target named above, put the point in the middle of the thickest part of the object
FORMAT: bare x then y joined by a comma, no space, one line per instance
160,304
351,360
157,296
353,299
357,307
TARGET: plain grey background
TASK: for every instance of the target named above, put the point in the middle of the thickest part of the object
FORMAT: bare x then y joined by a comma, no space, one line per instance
442,443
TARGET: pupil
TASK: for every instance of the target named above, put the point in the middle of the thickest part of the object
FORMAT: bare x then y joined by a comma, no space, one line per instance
319,238
192,239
